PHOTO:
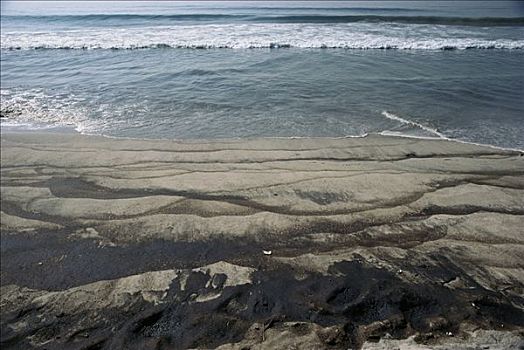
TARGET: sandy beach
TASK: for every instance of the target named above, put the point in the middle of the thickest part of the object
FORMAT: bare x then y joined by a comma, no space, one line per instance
308,243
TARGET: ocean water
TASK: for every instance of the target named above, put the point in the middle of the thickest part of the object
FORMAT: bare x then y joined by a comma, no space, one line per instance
274,69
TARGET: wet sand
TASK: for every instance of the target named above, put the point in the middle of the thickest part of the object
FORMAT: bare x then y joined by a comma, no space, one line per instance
376,243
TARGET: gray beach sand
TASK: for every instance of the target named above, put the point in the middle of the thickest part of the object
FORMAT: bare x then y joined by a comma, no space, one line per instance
376,243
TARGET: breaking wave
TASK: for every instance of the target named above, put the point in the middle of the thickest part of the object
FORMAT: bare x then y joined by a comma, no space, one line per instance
250,36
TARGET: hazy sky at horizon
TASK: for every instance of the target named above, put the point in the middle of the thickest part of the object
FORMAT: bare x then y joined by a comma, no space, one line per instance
465,8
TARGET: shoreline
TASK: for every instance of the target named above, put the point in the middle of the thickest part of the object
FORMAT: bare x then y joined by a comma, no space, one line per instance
385,133
370,242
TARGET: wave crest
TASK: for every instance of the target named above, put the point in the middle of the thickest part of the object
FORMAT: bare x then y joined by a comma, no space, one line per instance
237,36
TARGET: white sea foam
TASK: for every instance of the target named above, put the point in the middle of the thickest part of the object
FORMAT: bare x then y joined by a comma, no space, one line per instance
265,35
395,117
34,109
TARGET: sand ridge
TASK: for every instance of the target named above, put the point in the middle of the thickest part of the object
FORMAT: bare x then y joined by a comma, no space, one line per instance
376,239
